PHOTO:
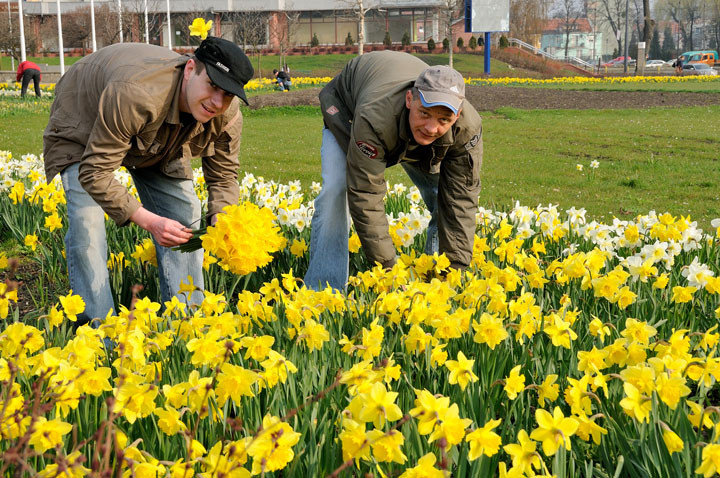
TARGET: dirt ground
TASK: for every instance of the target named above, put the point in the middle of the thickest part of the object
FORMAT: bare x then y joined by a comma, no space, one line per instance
490,98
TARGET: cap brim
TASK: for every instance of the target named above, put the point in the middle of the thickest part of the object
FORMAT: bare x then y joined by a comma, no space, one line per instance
435,98
227,84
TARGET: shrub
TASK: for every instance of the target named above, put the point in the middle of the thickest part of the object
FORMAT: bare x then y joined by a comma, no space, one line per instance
314,42
503,42
405,39
473,43
446,44
349,40
460,42
386,40
431,45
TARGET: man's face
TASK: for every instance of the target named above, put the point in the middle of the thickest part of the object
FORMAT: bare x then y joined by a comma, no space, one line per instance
200,97
428,124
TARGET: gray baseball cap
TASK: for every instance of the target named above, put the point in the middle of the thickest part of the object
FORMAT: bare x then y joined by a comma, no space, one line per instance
441,86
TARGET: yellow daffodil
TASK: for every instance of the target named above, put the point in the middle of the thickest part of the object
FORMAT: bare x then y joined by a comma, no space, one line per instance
200,28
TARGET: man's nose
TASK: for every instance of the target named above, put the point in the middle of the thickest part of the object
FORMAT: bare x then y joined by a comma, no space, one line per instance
431,125
217,98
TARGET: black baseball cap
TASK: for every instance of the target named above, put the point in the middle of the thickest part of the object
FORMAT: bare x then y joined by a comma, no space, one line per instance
226,64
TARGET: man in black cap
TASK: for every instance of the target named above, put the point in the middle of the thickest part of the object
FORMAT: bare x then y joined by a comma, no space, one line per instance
150,110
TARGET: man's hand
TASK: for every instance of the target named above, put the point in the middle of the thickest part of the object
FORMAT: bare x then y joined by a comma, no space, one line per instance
167,232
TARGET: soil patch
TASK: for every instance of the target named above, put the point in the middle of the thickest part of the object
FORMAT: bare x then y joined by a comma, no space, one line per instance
490,98
20,276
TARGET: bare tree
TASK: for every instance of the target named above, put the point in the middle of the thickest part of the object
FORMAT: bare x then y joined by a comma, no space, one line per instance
687,14
648,23
569,11
359,9
450,10
714,15
251,31
612,13
283,29
527,18
107,16
136,10
76,28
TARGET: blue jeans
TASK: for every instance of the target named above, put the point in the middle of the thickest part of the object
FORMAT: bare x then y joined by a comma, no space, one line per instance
329,256
86,244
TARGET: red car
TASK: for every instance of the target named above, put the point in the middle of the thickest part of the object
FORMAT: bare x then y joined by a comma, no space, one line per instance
618,61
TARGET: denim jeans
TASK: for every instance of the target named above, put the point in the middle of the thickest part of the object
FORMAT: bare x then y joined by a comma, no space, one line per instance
329,255
86,244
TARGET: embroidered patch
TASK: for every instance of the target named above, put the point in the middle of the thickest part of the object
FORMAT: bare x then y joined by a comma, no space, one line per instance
473,142
332,110
367,149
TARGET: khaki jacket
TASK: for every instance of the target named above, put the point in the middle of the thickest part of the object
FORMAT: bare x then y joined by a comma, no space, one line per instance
121,107
364,108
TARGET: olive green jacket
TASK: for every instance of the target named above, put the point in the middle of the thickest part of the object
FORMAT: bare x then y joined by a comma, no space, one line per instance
121,107
364,108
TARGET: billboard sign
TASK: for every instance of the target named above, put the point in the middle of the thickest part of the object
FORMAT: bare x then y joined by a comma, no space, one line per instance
487,16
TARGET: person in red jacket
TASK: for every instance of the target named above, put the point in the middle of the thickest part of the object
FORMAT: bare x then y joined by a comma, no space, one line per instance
27,71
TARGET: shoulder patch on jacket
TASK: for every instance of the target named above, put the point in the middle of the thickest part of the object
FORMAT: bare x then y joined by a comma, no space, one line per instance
367,149
473,142
332,110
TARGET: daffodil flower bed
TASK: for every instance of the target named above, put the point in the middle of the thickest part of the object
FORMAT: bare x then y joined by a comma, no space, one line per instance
15,88
569,348
582,80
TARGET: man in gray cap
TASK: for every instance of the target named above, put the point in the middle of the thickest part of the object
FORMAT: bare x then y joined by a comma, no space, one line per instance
150,110
386,108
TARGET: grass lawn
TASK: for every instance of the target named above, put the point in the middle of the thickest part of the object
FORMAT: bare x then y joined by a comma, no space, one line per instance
662,159
325,65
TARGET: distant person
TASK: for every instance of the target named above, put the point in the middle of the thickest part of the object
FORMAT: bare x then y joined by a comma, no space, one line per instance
679,66
387,108
283,80
27,71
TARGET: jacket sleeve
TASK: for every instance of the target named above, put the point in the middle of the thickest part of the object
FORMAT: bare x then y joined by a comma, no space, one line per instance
458,191
123,111
221,168
366,192
20,70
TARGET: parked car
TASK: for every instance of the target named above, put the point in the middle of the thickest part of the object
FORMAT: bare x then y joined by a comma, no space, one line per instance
655,63
701,56
619,61
698,69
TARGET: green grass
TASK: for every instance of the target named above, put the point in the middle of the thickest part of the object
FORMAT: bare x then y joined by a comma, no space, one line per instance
661,159
324,65
6,64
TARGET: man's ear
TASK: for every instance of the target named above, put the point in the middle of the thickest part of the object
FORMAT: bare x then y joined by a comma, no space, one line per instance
408,98
189,69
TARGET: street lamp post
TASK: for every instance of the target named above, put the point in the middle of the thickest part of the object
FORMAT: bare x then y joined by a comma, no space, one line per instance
169,27
627,47
61,48
23,56
120,19
147,30
92,24
12,58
